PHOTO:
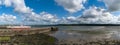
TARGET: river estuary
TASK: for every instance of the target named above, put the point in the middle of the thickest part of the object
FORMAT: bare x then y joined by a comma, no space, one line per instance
84,34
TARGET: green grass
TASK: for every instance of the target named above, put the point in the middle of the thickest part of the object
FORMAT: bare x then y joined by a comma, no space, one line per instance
4,38
35,39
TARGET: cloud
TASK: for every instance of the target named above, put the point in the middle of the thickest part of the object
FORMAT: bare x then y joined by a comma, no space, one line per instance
112,5
43,17
27,13
7,18
71,5
48,17
68,20
98,16
94,15
0,2
18,5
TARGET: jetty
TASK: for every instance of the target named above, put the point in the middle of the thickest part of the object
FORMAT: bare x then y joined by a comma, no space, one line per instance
29,31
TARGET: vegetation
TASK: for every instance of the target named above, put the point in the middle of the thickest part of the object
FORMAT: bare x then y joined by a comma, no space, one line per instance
35,39
4,38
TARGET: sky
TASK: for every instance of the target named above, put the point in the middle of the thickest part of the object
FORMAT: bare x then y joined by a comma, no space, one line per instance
44,12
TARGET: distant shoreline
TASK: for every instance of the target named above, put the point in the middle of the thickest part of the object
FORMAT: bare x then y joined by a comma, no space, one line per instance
70,25
80,25
90,24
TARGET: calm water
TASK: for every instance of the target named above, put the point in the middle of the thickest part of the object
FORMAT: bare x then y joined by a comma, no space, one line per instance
76,33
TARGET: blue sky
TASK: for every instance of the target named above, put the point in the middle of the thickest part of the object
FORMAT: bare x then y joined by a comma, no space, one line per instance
50,6
59,11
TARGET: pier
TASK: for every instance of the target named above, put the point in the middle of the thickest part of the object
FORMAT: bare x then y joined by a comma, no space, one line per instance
11,37
10,32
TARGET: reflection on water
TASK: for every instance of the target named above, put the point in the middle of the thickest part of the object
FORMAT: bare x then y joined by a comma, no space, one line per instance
74,34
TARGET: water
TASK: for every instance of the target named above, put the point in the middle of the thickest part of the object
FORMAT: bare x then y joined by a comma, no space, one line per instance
74,35
68,34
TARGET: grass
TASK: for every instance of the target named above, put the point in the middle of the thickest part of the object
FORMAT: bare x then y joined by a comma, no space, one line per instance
4,38
34,39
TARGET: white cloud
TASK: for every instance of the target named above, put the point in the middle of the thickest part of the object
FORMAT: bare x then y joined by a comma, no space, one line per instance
98,16
27,13
69,20
94,15
112,5
18,5
43,17
92,12
0,2
71,5
7,18
48,17
72,18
